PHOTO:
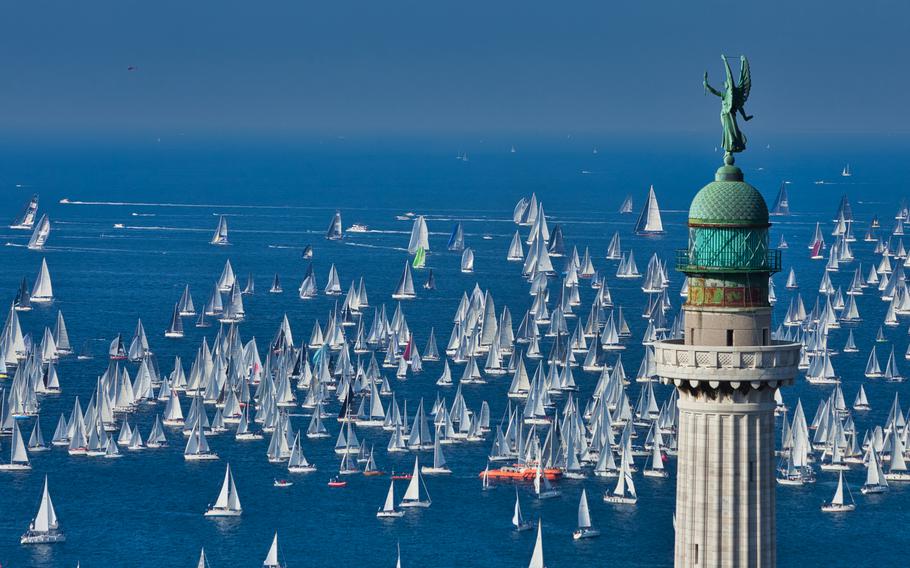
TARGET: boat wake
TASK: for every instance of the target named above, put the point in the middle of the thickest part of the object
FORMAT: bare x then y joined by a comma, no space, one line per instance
365,245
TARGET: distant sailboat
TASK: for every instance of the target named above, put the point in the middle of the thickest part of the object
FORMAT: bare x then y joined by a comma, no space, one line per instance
43,290
221,232
420,258
44,528
430,284
456,239
228,502
516,252
627,206
405,289
649,222
276,286
840,503
185,306
467,261
175,329
846,171
334,232
26,221
585,530
782,203
40,234
419,236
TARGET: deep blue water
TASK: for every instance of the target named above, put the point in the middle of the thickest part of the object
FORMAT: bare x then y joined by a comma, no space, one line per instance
146,508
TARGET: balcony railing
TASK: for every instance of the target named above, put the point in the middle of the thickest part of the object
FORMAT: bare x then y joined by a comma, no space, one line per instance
727,261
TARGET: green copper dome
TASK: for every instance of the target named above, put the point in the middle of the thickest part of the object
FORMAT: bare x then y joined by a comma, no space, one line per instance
729,201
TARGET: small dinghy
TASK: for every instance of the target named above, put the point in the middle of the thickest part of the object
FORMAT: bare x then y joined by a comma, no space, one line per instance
335,482
283,483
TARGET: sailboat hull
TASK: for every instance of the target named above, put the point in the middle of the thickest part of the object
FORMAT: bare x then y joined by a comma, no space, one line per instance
585,533
15,467
219,512
389,514
427,470
619,500
200,457
832,508
414,504
41,538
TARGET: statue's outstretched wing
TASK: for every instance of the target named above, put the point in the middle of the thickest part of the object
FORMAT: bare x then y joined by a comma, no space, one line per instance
745,81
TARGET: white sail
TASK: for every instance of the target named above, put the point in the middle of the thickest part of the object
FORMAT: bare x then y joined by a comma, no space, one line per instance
649,222
537,556
40,234
419,236
46,519
584,515
467,260
43,290
27,219
271,560
221,232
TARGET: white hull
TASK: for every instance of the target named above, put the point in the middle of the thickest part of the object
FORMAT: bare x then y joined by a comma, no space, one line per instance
415,504
656,473
15,467
620,500
831,508
42,538
585,533
426,470
302,469
873,489
200,457
218,512
389,514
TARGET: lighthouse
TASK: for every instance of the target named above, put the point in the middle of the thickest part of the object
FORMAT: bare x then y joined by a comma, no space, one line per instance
726,369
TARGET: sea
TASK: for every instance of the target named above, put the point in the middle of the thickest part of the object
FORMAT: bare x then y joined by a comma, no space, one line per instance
278,195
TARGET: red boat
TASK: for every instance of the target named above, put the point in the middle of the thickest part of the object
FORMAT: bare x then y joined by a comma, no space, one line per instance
521,473
401,475
334,482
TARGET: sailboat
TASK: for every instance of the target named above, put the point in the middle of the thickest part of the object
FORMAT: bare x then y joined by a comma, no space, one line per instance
44,528
185,304
838,503
537,555
43,290
297,462
846,171
585,530
18,454
456,239
655,465
271,560
430,284
624,492
518,520
861,403
221,232
439,461
40,234
276,286
26,221
467,261
419,236
875,477
228,503
197,447
516,252
334,232
388,510
175,329
782,203
542,486
405,289
626,207
412,494
649,222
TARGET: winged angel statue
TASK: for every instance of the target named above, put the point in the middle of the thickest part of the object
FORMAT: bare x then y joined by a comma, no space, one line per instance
733,98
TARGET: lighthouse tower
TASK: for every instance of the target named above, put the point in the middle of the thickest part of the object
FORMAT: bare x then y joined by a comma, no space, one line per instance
726,371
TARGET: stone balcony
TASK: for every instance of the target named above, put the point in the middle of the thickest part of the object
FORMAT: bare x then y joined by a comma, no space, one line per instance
775,364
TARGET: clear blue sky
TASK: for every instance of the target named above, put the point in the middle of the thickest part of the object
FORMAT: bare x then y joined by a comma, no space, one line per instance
340,66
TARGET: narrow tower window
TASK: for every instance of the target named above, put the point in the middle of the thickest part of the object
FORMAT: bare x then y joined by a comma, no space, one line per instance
730,338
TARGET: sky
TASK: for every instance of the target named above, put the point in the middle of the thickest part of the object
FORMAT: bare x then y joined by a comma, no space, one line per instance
423,66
